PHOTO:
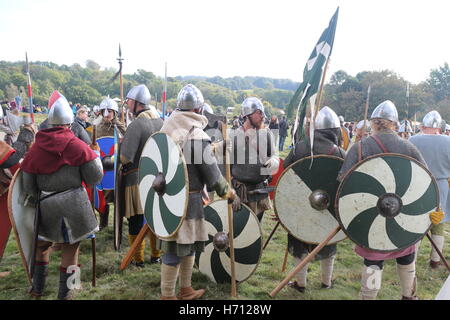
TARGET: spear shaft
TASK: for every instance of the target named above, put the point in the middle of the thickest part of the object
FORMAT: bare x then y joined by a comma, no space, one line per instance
366,111
122,117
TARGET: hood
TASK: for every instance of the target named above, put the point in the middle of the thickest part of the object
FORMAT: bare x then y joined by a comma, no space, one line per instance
180,123
54,140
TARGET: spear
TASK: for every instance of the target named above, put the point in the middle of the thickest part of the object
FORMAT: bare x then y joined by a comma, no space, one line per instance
121,81
407,100
366,109
119,74
164,97
30,92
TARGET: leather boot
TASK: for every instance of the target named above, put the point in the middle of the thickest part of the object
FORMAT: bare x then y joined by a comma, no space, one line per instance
39,277
190,294
435,259
104,218
186,290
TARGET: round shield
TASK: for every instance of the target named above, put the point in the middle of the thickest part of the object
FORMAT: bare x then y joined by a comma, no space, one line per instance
304,199
384,202
163,185
107,148
247,243
23,219
5,221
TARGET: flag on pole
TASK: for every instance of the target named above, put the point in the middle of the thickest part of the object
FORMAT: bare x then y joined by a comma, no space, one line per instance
312,75
164,95
407,100
29,91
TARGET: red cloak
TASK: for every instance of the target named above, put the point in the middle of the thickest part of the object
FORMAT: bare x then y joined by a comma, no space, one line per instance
54,148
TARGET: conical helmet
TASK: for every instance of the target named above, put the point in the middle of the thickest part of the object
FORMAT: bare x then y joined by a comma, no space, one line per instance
250,105
207,108
60,111
110,104
385,110
432,120
326,119
140,94
190,98
360,125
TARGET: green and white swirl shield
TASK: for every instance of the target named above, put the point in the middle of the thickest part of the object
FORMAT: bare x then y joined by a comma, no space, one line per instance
247,243
384,202
296,213
164,207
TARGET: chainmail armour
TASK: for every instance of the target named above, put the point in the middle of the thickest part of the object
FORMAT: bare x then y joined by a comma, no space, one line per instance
250,150
131,148
69,203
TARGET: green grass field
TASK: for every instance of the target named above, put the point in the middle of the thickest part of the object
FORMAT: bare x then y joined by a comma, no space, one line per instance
144,283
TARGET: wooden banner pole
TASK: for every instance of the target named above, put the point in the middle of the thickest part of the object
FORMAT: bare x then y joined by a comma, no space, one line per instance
305,261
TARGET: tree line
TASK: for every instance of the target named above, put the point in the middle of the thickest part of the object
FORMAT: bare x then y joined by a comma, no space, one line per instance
346,94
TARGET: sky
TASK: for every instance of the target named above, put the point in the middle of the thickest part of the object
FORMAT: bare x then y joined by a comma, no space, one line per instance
229,38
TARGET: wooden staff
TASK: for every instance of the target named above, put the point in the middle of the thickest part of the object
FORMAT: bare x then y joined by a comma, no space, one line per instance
271,234
93,240
305,261
230,213
283,268
438,251
126,261
319,99
94,262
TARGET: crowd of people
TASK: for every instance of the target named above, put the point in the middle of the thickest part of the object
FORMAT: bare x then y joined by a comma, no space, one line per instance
61,159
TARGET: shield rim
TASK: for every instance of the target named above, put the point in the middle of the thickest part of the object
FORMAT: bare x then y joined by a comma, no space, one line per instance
274,199
345,139
358,164
186,183
260,232
13,224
